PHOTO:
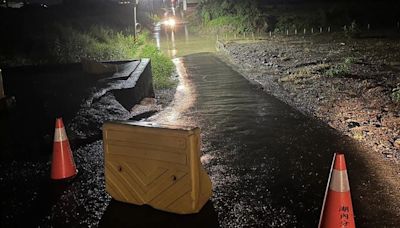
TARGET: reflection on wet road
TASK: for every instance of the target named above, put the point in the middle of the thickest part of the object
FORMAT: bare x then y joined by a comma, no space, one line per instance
268,163
179,42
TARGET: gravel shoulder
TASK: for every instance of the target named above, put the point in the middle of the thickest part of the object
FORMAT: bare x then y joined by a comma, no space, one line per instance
347,83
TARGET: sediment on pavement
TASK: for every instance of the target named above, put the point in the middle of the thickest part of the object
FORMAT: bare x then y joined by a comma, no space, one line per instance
347,83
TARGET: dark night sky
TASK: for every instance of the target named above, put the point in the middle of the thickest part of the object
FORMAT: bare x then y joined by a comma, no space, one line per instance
264,1
362,2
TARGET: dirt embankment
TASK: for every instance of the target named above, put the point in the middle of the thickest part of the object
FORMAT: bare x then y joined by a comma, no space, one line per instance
348,83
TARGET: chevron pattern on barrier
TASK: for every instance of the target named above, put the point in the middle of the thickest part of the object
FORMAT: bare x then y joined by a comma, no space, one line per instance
158,166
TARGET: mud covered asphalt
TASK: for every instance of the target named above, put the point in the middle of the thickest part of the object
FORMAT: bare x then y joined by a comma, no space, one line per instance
268,164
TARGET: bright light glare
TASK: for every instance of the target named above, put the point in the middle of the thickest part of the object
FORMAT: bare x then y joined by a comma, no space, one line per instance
170,22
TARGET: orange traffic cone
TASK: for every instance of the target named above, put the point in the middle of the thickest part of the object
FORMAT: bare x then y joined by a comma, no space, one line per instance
63,165
337,209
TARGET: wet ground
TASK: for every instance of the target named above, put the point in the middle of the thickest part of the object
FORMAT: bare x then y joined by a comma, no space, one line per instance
268,164
358,100
29,197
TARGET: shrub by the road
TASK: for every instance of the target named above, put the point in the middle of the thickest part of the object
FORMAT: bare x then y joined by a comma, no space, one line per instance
231,16
162,67
396,94
228,24
341,69
98,43
104,44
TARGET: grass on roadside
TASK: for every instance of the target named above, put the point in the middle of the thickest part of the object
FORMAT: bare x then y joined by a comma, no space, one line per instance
341,69
104,44
227,24
162,66
98,43
66,44
396,94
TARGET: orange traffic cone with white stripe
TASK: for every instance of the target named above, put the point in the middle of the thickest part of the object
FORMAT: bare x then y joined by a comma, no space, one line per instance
62,165
337,209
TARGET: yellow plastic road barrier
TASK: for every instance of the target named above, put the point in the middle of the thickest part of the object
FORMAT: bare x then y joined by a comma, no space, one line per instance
158,165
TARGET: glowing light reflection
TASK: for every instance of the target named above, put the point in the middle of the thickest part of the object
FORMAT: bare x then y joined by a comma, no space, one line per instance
183,100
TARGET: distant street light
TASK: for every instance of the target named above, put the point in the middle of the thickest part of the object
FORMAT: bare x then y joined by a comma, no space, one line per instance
170,22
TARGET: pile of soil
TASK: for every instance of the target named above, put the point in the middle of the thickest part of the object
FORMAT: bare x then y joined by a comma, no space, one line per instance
348,83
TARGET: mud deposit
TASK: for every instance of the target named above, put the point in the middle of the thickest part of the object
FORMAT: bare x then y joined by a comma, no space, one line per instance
348,83
268,162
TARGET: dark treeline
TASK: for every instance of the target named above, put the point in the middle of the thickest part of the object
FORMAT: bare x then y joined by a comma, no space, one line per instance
340,12
279,15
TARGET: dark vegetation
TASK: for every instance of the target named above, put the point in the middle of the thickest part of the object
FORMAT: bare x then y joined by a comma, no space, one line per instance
221,16
65,33
32,35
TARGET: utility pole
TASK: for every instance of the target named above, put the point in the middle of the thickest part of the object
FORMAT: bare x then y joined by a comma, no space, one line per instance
184,5
135,3
1,87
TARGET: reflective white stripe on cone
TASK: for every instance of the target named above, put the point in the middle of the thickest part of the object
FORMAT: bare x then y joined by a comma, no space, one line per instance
337,208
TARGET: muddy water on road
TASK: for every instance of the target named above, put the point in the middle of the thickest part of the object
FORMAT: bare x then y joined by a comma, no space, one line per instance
268,163
180,42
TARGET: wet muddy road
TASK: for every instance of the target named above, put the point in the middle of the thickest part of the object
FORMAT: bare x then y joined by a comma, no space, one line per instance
268,163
